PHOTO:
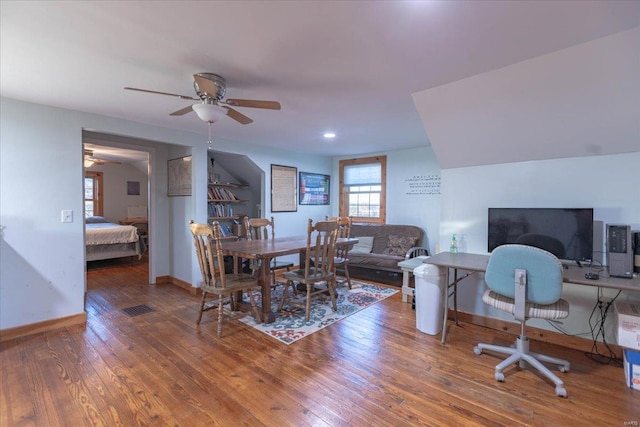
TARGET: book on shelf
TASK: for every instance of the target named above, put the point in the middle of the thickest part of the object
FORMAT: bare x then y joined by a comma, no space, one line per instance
215,193
226,230
221,210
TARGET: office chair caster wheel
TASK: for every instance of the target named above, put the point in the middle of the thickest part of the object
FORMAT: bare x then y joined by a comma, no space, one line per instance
499,377
477,350
563,368
561,391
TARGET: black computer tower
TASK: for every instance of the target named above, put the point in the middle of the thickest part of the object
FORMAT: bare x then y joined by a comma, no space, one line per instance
636,252
619,250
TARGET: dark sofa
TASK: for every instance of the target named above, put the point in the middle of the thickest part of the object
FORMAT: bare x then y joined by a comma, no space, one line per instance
389,245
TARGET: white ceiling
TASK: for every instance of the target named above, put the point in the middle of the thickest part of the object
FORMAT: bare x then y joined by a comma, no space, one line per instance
138,159
349,67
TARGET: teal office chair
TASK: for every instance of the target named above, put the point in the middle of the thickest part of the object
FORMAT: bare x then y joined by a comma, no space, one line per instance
526,282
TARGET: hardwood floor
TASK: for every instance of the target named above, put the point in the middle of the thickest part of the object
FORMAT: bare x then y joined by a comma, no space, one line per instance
371,369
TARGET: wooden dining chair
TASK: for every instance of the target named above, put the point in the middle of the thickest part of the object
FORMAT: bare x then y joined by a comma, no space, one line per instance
264,229
321,244
215,280
341,258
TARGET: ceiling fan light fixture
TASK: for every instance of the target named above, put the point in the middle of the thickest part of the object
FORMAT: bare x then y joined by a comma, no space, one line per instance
88,163
209,112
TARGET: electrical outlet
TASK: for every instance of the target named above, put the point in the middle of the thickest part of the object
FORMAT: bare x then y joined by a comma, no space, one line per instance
66,215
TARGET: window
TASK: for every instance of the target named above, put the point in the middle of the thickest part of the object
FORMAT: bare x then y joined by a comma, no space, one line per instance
363,189
92,194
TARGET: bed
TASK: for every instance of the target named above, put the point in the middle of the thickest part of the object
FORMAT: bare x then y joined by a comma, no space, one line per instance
107,240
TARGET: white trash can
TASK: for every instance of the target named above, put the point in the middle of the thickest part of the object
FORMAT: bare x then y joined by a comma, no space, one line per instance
429,287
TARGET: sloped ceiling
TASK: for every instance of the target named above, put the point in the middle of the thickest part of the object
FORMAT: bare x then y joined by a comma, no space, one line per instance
580,101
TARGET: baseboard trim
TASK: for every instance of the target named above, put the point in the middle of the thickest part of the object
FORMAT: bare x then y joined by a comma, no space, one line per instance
179,283
38,327
551,337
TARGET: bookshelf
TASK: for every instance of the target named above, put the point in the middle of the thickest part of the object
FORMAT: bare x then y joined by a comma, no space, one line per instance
225,205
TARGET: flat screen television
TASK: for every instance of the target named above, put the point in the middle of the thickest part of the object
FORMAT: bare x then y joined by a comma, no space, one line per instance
567,233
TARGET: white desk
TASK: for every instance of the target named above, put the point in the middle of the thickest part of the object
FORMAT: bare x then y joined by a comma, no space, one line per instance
467,264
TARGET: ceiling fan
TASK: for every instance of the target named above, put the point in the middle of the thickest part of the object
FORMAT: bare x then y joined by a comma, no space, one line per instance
89,160
211,89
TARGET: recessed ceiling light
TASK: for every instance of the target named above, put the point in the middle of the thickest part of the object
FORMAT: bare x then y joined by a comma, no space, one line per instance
329,135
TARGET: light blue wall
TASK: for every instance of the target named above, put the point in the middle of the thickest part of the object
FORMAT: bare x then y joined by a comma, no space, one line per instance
413,191
42,261
287,223
115,197
609,184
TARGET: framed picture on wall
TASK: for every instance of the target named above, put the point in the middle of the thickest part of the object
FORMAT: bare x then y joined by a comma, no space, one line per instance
179,175
283,188
133,188
313,189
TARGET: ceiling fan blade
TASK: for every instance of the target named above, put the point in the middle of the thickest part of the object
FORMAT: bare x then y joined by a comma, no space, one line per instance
182,111
269,105
162,93
206,85
103,161
238,116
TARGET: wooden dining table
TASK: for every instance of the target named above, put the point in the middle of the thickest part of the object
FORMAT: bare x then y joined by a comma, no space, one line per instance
265,251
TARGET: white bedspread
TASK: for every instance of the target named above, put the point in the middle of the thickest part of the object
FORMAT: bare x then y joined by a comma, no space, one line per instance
107,233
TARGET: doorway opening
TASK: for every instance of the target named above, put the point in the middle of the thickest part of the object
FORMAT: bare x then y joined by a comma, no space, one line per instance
117,190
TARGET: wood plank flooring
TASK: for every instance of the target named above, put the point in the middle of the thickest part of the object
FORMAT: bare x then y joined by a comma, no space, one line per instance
371,369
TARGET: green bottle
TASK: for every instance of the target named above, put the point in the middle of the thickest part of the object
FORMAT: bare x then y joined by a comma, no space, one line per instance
454,245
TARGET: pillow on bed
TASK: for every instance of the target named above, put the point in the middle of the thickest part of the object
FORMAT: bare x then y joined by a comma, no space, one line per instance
364,245
94,220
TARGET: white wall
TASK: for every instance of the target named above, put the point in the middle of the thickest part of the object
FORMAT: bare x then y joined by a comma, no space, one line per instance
287,223
580,106
609,184
115,197
42,262
413,190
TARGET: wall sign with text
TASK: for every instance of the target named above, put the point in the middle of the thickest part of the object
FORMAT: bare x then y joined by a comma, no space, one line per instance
423,184
283,188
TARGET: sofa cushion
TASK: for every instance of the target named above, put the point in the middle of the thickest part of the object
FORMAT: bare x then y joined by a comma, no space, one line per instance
381,233
376,265
375,261
398,245
364,245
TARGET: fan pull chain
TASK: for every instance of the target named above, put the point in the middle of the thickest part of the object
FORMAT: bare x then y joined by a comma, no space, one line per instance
210,141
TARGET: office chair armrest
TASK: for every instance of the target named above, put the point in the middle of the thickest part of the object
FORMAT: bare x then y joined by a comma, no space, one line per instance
416,251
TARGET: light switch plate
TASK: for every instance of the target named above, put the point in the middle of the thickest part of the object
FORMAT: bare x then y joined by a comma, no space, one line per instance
67,215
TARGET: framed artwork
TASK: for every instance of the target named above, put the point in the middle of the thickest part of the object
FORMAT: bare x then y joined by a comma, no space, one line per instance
133,188
314,189
283,188
179,175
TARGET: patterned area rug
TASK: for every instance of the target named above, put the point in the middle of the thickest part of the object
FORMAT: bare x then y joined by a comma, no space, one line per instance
290,325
